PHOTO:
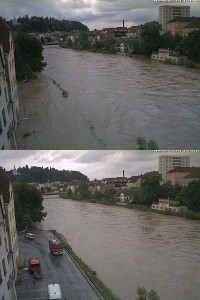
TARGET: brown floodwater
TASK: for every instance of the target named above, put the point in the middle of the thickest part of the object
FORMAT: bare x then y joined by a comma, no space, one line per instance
112,100
129,248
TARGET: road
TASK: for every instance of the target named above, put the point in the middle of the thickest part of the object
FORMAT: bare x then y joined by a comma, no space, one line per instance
55,269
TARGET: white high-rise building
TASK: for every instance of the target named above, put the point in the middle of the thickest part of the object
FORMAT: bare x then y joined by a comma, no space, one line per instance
169,12
169,162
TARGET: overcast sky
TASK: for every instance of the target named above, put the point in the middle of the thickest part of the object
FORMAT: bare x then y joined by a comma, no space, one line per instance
93,13
93,163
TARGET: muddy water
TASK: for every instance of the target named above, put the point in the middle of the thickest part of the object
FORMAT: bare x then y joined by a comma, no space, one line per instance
128,248
112,100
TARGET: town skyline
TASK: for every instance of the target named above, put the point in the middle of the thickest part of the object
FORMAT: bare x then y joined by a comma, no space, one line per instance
96,14
95,164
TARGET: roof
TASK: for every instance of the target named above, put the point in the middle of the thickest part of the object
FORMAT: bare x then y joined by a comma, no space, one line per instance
4,35
4,186
34,260
185,169
193,25
185,19
134,178
193,174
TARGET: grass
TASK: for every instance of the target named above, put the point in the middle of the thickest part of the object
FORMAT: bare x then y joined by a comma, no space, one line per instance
90,274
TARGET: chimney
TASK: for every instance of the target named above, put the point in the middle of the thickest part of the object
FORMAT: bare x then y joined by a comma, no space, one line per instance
123,23
123,173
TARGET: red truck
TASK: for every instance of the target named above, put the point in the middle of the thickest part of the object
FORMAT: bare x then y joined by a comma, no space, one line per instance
34,265
55,247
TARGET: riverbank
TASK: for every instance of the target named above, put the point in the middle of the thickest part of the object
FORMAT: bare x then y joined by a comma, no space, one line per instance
187,215
89,273
187,63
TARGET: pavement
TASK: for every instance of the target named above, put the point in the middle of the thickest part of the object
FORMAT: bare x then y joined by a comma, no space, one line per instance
55,269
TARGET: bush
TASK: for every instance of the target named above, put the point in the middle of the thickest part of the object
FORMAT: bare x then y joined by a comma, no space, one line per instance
189,64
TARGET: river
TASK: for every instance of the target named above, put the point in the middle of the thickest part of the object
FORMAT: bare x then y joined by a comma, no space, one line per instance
130,248
112,100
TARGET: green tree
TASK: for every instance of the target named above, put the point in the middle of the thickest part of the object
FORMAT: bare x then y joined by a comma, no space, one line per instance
83,41
150,37
28,55
110,195
143,294
150,187
28,205
190,196
190,45
83,191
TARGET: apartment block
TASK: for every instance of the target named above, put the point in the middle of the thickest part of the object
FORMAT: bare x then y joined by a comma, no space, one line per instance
8,240
9,89
169,12
169,162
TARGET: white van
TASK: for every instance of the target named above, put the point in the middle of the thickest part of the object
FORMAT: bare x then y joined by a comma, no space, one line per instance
54,292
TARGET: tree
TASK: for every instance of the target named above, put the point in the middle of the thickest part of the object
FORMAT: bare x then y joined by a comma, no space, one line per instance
150,187
28,55
150,37
167,190
143,294
83,41
83,191
28,205
190,45
190,195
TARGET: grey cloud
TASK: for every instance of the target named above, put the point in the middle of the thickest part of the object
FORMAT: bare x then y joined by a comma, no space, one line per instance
93,163
109,12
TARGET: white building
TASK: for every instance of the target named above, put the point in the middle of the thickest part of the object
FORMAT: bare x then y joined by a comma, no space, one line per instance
169,162
12,92
8,240
169,12
170,205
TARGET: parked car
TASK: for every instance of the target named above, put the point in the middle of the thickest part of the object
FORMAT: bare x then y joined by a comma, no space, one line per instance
29,236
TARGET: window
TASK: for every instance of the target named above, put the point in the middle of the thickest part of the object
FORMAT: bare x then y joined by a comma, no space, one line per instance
8,285
4,116
5,91
0,91
4,267
1,279
8,134
0,127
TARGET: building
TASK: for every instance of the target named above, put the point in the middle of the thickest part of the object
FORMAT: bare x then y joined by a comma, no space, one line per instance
183,175
178,24
190,27
168,204
169,12
169,162
12,101
5,107
172,56
8,239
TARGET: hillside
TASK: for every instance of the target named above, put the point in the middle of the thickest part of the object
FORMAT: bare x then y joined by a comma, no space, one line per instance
40,24
40,174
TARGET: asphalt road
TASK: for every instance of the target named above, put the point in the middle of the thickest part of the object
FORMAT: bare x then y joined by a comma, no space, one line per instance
55,269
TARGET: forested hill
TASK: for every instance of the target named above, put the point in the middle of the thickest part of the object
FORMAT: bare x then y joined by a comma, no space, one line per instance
40,24
40,174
